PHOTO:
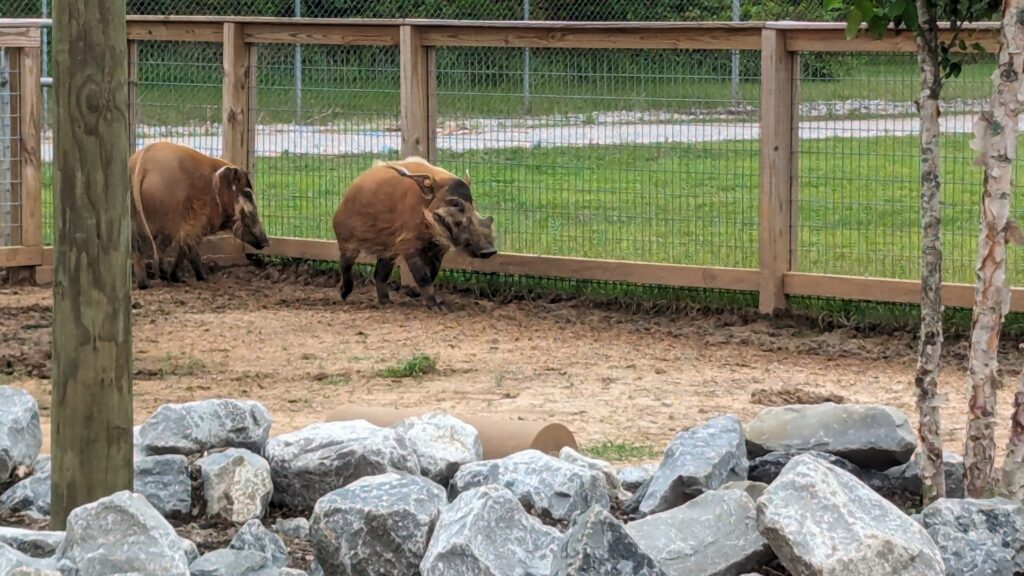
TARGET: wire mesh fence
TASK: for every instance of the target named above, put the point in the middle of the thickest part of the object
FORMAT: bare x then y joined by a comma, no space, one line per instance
10,150
616,154
858,161
309,149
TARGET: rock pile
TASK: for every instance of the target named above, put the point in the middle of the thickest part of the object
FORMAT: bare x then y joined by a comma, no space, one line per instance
813,489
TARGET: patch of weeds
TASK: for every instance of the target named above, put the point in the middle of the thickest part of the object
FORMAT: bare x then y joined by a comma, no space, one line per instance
618,451
338,379
170,367
415,367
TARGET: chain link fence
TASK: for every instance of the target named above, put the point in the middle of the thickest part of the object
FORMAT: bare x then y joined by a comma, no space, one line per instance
571,10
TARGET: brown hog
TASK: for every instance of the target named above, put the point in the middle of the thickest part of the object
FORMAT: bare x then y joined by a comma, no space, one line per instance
180,196
409,209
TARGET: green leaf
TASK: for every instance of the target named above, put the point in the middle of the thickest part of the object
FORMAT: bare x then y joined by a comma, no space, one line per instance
953,70
833,4
896,8
877,25
910,17
853,21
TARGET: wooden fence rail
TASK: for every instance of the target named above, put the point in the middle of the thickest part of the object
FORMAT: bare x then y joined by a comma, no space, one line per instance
417,40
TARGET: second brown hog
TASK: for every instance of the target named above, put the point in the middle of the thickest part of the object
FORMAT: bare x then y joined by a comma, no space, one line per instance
413,210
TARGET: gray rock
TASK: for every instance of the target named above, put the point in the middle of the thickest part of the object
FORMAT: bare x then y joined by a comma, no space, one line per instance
633,477
31,496
969,532
906,478
14,563
546,486
822,520
122,534
255,537
485,532
874,437
315,569
972,555
236,485
753,489
138,450
311,462
195,427
442,444
34,543
165,482
377,525
291,572
21,436
229,562
191,550
697,460
598,545
295,528
611,480
714,534
766,469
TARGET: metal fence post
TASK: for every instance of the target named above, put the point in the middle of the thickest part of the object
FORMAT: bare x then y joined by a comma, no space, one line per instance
298,70
526,64
735,57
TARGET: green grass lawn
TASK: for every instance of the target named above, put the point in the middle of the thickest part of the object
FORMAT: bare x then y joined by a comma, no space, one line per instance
574,82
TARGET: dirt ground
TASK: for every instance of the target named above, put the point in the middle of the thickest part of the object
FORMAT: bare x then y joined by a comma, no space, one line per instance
287,341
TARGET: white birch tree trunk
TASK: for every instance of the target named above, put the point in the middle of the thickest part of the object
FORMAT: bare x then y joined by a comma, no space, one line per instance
1013,465
929,429
995,138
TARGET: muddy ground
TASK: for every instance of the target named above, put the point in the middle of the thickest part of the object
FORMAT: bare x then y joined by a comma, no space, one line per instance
282,337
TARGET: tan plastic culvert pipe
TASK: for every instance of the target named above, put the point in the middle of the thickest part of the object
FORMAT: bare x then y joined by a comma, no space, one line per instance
498,436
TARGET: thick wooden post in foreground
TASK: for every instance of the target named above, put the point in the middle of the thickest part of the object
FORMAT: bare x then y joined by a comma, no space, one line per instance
777,141
91,432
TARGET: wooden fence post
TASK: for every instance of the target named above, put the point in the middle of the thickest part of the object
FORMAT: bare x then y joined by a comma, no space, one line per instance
416,96
133,95
31,151
776,185
236,106
417,116
236,109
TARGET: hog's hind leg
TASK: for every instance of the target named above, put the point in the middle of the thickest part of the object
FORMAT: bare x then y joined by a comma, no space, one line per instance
346,260
381,274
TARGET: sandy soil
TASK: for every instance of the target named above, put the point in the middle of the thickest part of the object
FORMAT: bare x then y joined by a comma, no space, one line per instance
290,343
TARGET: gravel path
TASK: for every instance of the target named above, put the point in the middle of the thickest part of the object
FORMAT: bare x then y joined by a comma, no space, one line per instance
580,130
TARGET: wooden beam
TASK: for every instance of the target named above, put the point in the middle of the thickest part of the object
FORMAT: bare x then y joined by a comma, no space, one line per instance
417,140
91,427
834,40
17,256
19,37
884,290
193,31
235,105
605,37
550,266
336,35
777,142
31,115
